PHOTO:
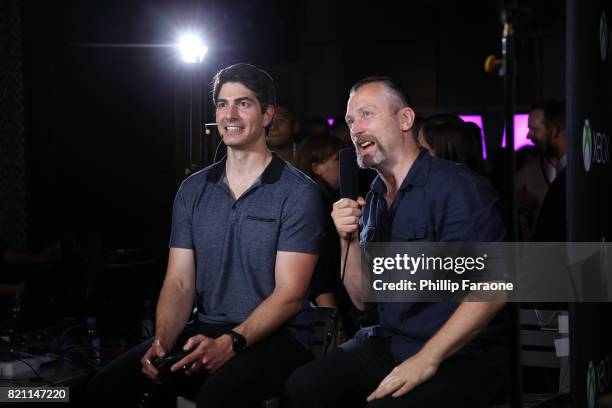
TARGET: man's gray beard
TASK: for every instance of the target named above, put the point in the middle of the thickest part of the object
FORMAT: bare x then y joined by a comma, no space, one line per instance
374,162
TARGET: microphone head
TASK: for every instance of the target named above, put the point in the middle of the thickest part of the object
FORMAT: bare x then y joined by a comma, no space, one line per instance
349,173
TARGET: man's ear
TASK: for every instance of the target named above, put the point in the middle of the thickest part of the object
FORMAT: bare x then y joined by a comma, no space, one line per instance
268,115
406,117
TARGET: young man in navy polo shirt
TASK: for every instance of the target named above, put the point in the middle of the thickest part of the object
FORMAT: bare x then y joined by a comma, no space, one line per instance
421,354
244,244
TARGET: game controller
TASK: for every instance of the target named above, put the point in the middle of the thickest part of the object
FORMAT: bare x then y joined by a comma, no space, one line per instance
163,364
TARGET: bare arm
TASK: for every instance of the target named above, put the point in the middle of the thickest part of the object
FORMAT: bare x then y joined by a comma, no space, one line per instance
327,299
467,321
173,308
292,273
176,297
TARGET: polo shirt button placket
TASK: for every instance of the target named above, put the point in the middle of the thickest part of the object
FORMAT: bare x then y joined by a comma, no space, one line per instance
232,215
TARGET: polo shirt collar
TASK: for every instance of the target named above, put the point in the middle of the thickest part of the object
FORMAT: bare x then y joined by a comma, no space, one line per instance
216,170
273,170
270,175
417,175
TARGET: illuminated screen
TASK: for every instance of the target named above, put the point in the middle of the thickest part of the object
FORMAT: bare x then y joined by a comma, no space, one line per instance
521,128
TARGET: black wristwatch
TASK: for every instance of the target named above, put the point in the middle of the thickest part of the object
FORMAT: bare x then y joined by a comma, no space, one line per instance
238,342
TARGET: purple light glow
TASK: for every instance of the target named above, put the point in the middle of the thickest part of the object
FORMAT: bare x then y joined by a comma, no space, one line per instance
330,122
477,119
521,128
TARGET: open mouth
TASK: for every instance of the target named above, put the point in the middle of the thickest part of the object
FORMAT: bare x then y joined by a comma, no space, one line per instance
365,146
233,129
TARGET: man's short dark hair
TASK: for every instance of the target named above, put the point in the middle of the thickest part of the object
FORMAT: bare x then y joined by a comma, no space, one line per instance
256,79
396,89
554,112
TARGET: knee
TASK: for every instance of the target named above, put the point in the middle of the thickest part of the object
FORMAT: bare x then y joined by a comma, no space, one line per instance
111,386
304,386
210,395
99,390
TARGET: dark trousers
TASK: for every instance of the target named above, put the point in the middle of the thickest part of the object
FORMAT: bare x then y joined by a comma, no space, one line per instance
347,375
245,380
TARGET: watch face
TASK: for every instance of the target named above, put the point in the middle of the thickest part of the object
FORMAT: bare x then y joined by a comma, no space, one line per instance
239,342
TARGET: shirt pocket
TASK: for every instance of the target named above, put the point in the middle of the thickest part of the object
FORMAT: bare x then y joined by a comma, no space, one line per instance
259,240
260,225
260,219
413,231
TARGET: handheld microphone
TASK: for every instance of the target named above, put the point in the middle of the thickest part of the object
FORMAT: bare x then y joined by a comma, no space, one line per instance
349,188
349,176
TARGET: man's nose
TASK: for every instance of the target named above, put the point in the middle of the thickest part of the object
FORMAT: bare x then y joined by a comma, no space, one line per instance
231,112
356,128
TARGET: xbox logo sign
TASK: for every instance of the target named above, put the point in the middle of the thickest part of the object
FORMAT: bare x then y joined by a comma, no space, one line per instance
591,386
603,36
595,146
587,145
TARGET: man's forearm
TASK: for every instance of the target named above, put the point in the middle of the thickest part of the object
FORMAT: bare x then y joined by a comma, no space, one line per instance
352,274
173,311
467,321
271,314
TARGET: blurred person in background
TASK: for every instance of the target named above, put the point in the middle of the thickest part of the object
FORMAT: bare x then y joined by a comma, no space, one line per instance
543,163
317,156
453,140
280,138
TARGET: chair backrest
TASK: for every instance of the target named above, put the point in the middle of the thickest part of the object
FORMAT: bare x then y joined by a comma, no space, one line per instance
539,330
324,330
545,342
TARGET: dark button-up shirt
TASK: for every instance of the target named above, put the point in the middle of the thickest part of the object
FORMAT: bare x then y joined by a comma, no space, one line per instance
437,201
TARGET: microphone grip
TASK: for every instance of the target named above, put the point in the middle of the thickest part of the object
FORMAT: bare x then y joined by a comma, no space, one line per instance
349,175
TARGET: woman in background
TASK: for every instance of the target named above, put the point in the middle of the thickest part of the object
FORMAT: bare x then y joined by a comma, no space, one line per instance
450,138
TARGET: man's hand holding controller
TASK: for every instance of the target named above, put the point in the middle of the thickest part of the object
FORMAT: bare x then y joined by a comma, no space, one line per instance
154,353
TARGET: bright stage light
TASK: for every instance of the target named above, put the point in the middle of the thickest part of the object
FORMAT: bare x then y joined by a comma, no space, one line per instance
192,48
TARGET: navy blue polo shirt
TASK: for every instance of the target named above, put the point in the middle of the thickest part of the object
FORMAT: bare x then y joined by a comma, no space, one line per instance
437,201
236,241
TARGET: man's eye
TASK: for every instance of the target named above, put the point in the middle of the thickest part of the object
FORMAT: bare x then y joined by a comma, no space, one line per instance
245,104
221,105
365,114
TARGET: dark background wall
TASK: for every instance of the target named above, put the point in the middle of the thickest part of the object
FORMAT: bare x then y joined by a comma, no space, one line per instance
105,111
13,214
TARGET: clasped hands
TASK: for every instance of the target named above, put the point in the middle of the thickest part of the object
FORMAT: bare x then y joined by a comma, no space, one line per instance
208,354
